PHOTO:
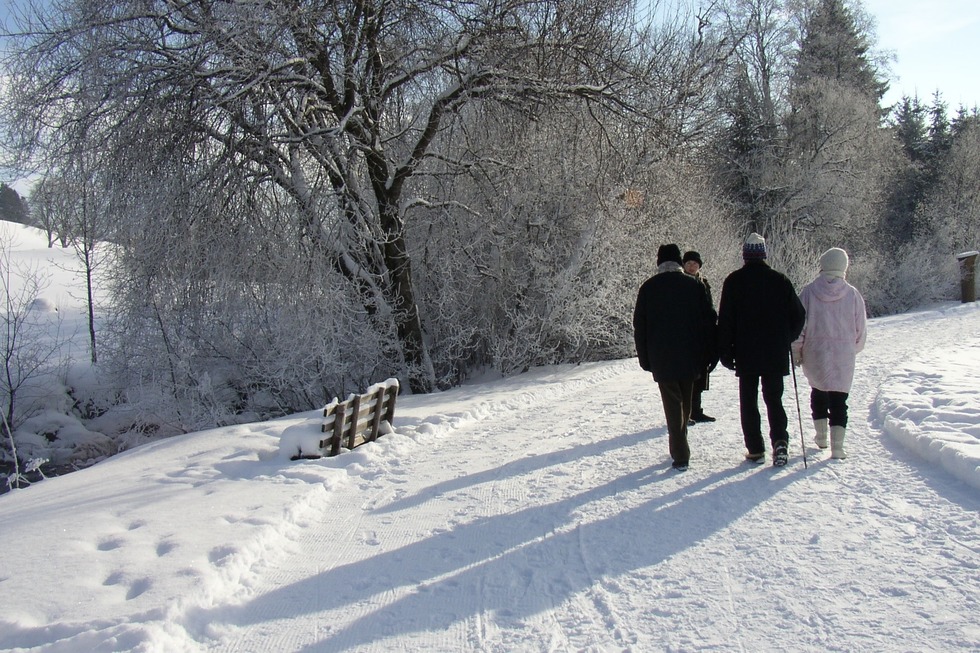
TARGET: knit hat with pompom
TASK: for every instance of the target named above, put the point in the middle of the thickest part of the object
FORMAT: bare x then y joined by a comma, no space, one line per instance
754,247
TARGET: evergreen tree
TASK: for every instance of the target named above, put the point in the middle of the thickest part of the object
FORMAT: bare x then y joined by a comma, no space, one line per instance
964,120
834,73
908,121
746,150
908,185
926,136
836,158
940,134
834,48
12,206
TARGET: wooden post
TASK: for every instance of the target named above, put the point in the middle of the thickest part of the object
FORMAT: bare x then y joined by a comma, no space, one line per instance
391,393
339,416
379,398
968,284
355,416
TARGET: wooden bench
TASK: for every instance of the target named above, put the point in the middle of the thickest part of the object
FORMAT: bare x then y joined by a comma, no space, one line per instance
359,419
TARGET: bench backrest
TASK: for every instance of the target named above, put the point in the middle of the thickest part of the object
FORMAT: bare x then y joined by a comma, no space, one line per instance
358,420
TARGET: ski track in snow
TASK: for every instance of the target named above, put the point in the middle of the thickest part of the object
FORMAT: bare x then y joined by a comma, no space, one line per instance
547,550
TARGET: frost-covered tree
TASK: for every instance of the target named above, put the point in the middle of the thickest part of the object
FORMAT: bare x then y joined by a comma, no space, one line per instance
951,214
243,137
47,211
801,156
530,256
335,104
751,143
838,157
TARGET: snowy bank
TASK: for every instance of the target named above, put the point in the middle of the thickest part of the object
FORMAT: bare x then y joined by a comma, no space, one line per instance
932,406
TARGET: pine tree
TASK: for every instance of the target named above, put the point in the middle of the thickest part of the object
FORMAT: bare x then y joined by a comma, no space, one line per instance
927,137
12,206
907,190
909,124
747,150
834,48
833,74
835,149
940,134
964,120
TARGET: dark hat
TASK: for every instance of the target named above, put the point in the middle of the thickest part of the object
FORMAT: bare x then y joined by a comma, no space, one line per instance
669,252
754,247
693,256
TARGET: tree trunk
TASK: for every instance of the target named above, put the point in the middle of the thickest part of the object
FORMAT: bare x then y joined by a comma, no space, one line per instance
421,376
408,321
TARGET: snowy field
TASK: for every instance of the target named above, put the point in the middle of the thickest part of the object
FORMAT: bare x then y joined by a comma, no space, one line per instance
536,513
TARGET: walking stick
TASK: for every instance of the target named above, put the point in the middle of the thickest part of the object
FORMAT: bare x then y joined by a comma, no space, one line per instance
799,416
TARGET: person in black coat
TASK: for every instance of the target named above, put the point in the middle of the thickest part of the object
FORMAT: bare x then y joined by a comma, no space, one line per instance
674,332
692,266
759,317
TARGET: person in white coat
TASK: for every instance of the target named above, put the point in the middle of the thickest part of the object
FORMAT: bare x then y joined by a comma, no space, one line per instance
834,333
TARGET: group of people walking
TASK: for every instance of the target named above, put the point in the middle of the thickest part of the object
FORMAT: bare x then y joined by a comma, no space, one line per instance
760,328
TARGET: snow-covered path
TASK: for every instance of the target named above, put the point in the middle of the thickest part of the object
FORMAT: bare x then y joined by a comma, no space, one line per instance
537,513
550,520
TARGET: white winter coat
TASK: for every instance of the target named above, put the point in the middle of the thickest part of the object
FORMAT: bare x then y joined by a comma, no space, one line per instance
835,331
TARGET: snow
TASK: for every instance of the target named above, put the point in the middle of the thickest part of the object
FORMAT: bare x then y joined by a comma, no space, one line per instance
930,405
58,266
535,513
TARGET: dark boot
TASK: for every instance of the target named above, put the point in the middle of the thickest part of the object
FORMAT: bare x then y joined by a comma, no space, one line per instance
780,454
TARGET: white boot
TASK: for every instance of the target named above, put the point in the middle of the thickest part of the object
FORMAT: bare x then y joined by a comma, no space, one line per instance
837,442
822,427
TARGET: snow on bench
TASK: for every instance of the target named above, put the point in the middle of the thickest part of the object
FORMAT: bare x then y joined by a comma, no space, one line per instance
355,421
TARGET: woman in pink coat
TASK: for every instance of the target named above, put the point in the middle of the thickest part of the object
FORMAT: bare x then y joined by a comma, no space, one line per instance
835,331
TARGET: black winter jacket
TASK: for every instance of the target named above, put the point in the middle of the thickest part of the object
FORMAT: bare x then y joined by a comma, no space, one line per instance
674,327
707,286
759,316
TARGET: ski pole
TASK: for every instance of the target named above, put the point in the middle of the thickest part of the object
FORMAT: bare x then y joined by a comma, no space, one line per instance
799,416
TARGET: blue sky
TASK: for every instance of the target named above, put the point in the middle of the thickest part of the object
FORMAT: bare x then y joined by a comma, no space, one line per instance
937,43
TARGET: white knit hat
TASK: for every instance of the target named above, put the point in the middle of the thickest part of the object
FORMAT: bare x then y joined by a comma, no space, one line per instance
834,262
754,247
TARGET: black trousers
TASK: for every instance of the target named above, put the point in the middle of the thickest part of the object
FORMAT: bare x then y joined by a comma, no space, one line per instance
748,401
700,385
829,404
676,396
